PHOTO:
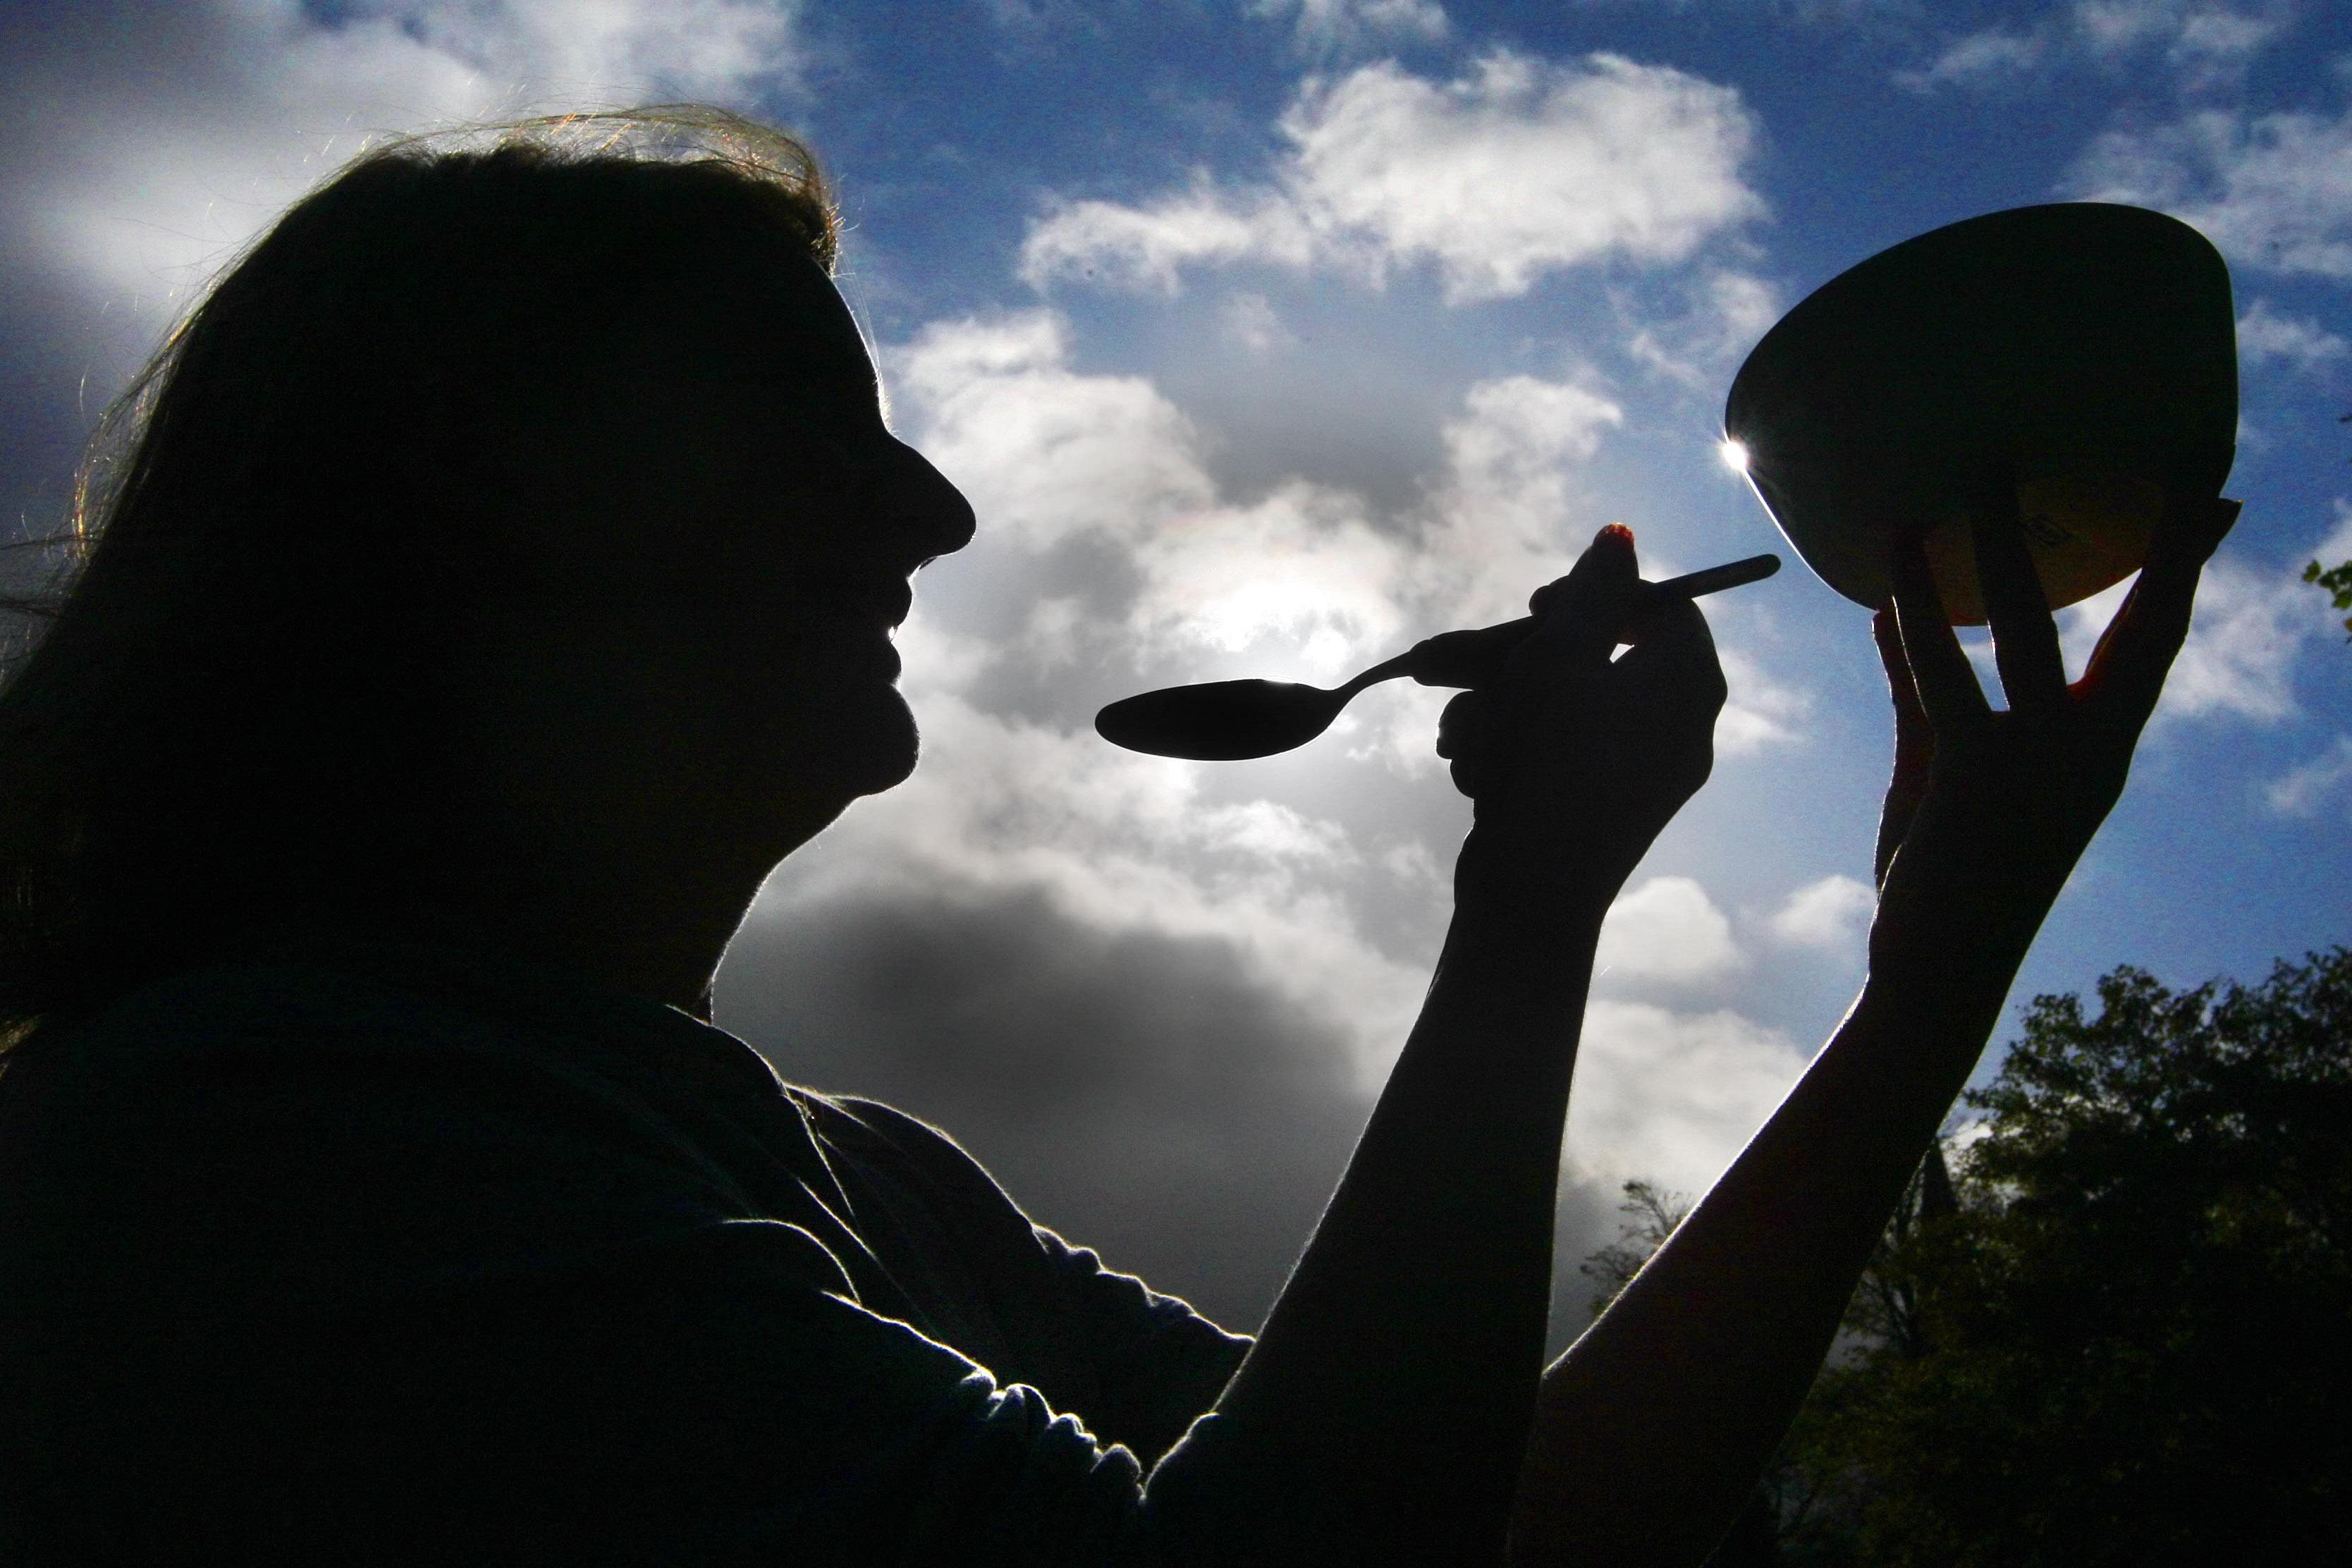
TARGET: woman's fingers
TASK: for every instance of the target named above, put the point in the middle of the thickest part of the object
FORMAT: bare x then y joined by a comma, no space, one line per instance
2126,673
2095,668
2190,529
1911,731
1669,682
1579,617
1915,745
2024,636
1673,659
1560,680
1462,741
1947,687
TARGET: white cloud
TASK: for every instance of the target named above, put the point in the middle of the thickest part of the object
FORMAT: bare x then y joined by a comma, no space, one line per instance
2113,27
1761,710
1518,168
700,50
2206,45
2080,625
1505,521
1126,843
1123,843
1251,321
1505,517
2273,192
1673,1096
2302,789
1667,929
2339,542
1303,571
1332,24
1523,167
1302,564
1047,453
1149,246
1829,913
2264,336
1728,312
2209,43
1519,431
1978,58
2248,632
2240,657
142,191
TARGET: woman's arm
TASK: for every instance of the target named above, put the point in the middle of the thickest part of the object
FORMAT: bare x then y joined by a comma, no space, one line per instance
1653,1426
1382,1414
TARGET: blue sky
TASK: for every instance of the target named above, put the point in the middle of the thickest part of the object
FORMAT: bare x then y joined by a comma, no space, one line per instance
1268,337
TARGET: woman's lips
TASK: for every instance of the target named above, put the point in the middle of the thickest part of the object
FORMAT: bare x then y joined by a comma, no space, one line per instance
853,629
885,601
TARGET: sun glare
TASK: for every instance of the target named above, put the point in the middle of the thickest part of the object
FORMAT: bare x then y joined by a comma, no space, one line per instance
1734,455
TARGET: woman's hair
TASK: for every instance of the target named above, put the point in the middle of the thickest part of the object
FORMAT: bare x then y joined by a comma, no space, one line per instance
281,521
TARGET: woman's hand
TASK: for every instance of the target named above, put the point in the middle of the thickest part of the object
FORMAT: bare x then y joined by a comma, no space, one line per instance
1651,1430
1987,812
1433,1262
1576,762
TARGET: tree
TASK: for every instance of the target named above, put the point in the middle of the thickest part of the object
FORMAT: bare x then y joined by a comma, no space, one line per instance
2335,581
2112,1335
1651,1214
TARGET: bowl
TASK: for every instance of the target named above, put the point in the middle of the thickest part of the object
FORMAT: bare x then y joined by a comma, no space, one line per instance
2083,353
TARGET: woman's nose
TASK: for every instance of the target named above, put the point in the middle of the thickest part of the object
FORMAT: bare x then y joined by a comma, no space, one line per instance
938,519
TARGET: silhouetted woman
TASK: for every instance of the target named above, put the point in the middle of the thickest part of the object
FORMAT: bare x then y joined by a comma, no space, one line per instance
489,585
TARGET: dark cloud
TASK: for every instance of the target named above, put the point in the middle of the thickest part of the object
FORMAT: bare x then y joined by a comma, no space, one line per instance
1138,1093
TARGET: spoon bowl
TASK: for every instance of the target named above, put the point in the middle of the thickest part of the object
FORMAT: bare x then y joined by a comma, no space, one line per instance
1222,720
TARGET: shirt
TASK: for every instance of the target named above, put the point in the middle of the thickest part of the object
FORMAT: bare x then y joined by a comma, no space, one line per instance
398,1257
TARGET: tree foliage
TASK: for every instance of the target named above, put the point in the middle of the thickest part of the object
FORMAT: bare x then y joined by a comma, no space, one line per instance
2336,582
2112,1334
1651,1213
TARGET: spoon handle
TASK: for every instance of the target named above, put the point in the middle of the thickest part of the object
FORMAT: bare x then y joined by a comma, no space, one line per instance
1476,657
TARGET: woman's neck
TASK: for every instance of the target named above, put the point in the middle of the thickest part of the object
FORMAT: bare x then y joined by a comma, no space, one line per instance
655,929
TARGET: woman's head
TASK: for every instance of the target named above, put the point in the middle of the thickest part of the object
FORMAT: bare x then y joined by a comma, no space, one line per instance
499,477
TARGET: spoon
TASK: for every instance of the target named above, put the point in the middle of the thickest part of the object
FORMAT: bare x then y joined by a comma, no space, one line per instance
1227,720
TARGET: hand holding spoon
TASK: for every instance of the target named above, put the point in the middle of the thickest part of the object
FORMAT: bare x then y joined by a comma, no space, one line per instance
1227,720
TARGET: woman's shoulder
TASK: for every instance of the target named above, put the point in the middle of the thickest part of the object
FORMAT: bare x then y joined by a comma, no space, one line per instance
203,1054
1139,1364
226,1009
171,1045
911,1151
375,1016
293,1110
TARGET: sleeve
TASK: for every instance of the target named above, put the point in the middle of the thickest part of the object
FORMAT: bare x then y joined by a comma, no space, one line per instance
1139,1365
1158,1365
408,1304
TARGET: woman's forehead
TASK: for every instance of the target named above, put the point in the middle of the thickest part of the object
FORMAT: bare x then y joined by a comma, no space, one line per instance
769,315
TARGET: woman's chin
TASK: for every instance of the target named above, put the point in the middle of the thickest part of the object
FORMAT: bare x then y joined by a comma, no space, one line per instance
870,747
798,765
